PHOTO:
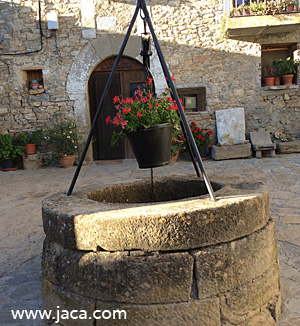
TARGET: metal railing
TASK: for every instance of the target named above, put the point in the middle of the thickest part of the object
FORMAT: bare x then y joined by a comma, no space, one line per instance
263,7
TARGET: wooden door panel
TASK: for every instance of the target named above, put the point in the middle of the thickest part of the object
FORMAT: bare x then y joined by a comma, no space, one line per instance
102,149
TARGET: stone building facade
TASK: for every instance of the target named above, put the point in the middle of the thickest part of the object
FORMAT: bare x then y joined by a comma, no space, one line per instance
193,41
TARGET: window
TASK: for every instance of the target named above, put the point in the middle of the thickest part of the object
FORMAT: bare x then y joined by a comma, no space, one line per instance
274,52
194,98
33,80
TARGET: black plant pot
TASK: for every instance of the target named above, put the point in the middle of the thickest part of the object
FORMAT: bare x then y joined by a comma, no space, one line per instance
7,164
202,151
152,146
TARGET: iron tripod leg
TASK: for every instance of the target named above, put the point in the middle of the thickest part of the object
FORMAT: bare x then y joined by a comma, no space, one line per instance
175,96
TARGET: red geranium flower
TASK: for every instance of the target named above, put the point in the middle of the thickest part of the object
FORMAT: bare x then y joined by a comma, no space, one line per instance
144,109
108,120
116,99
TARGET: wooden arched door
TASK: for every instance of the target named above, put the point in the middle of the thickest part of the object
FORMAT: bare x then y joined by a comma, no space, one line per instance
127,77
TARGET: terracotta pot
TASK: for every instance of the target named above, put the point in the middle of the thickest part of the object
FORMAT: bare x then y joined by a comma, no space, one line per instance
287,79
270,81
277,81
30,149
247,11
67,161
35,86
174,158
290,8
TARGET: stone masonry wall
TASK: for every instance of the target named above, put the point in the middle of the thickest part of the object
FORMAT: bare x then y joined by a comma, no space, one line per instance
20,111
192,41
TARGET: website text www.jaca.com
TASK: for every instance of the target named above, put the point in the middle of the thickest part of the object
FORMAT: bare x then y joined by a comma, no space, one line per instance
63,314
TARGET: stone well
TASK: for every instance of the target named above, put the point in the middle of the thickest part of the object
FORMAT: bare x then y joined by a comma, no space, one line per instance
170,256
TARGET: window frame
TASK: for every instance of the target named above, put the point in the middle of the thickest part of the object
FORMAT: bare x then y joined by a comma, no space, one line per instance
199,92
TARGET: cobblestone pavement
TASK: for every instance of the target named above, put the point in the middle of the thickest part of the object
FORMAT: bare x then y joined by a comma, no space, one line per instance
21,232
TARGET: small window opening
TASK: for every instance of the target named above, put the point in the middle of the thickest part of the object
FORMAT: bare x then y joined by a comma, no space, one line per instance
34,79
194,98
270,54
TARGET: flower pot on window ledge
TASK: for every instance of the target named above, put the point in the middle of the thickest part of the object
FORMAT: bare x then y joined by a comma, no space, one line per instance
287,79
270,81
277,81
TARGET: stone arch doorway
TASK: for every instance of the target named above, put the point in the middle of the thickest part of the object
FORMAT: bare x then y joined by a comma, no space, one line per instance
128,76
84,64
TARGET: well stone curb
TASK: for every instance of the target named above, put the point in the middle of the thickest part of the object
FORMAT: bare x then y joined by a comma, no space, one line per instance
118,277
189,260
242,207
222,268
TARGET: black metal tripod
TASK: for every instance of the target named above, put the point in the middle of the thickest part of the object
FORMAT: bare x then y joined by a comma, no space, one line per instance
184,125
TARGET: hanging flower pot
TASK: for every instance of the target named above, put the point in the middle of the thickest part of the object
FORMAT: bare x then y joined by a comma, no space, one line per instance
30,149
67,161
152,146
147,120
287,79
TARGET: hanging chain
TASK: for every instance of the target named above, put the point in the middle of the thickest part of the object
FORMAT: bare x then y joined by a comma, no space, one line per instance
146,53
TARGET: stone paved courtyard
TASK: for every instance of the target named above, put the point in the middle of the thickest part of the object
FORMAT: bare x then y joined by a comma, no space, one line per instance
21,233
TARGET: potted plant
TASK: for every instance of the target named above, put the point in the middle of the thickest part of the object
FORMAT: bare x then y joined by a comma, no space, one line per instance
261,8
287,68
269,76
63,139
273,7
253,8
232,12
30,140
247,8
277,72
284,5
177,144
240,10
290,5
147,121
202,138
9,150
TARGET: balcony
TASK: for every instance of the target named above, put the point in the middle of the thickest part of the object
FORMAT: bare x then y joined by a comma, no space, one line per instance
251,18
